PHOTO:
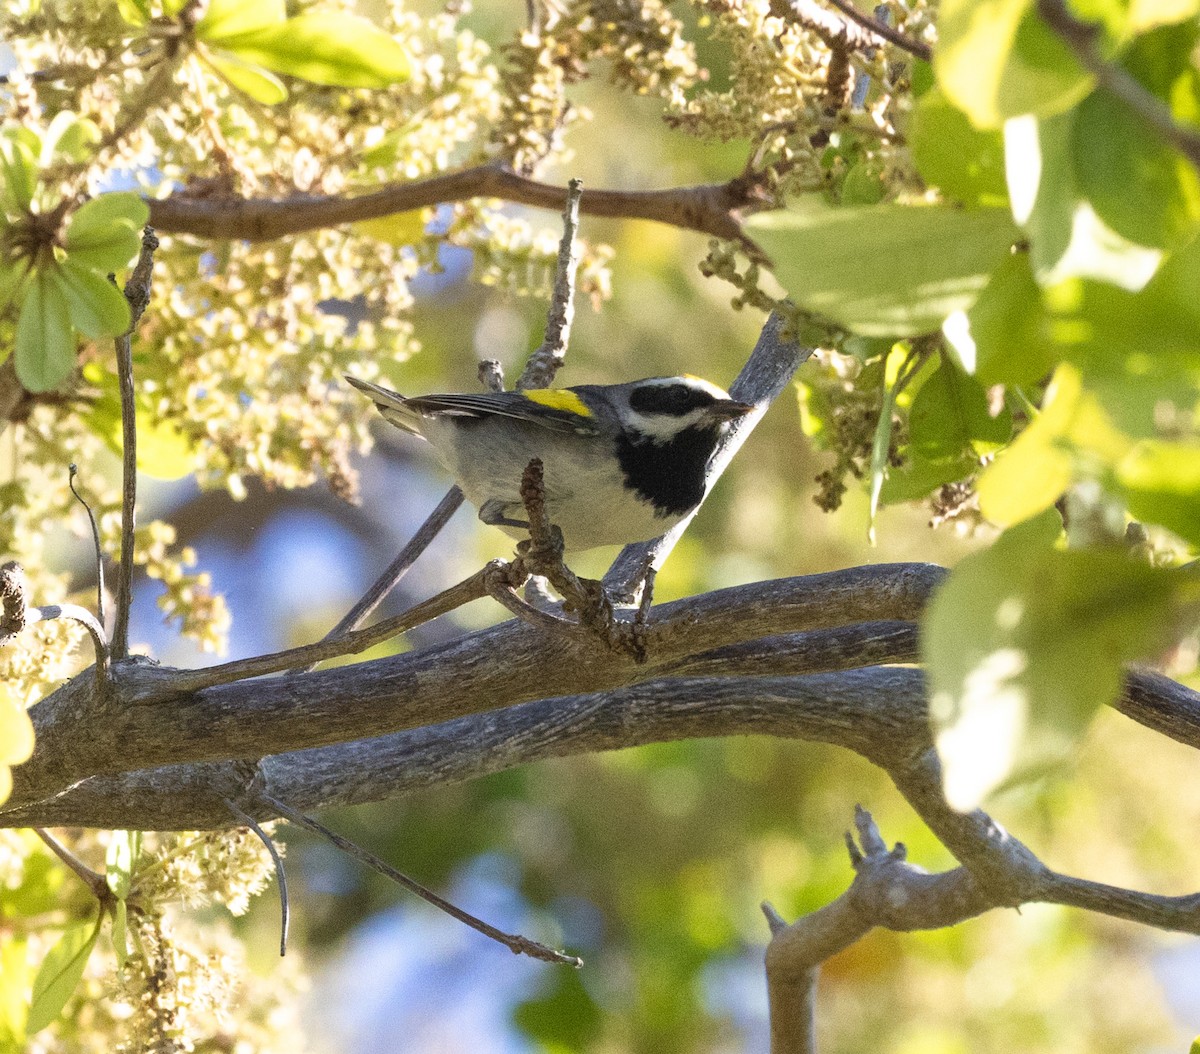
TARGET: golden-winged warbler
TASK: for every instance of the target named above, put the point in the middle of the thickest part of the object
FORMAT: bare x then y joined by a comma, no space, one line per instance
622,462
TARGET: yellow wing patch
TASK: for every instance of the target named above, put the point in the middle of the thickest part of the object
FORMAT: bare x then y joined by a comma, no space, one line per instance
559,399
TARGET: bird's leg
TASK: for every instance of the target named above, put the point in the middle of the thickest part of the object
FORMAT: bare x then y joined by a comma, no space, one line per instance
543,555
492,512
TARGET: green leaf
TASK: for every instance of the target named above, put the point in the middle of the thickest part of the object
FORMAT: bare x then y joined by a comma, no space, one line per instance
884,270
921,477
231,18
951,154
996,59
135,12
326,47
950,415
45,345
1040,172
1139,186
1005,337
1146,14
261,85
1195,1046
105,233
1023,643
1160,482
18,172
164,451
1030,475
14,979
119,861
60,974
120,932
97,307
69,135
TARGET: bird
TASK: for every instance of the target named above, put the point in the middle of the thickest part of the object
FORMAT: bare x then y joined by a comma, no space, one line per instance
622,463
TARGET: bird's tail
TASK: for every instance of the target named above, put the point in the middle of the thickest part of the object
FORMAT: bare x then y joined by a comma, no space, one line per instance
392,406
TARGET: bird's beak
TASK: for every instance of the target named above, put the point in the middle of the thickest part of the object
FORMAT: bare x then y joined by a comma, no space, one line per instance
729,410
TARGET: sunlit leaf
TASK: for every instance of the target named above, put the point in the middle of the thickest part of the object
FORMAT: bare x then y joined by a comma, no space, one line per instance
325,47
18,172
120,933
45,346
97,307
14,984
60,974
230,18
260,84
119,861
400,228
964,162
135,12
950,415
1024,642
884,270
1160,482
996,59
105,233
16,730
1006,328
69,135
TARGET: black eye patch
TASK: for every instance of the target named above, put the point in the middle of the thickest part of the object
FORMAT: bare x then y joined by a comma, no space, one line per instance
673,399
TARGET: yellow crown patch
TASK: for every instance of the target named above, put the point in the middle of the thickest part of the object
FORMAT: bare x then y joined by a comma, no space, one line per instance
559,399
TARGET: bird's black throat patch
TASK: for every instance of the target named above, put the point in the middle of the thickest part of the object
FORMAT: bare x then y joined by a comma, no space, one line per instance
669,475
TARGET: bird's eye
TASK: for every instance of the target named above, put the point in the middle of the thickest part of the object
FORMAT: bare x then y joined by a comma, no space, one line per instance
672,399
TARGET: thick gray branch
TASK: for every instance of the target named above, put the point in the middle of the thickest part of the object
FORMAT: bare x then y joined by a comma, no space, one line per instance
81,735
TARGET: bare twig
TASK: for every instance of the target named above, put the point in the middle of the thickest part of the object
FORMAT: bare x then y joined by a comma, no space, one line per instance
491,376
887,891
137,293
186,681
14,600
544,363
398,568
92,879
280,872
716,209
71,471
16,615
1081,37
515,943
881,29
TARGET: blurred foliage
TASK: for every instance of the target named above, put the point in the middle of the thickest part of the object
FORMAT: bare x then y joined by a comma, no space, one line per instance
999,261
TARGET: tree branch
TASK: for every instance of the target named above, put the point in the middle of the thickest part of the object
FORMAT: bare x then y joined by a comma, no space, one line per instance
1081,38
79,735
715,209
137,294
888,892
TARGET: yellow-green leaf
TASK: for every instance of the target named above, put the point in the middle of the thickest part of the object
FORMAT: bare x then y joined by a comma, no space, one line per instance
326,47
18,172
69,135
260,84
60,974
16,730
231,18
1160,482
1030,475
996,59
1024,642
400,228
45,346
97,307
885,270
105,233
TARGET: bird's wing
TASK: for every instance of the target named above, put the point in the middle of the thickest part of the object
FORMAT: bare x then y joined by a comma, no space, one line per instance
516,405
